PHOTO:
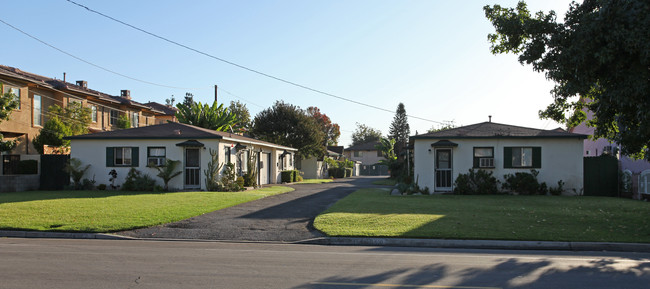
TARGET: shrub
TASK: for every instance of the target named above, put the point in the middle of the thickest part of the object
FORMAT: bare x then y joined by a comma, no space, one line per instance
336,172
87,184
240,181
136,181
250,177
166,172
76,171
299,179
228,182
28,167
286,176
479,182
212,172
524,183
101,187
557,191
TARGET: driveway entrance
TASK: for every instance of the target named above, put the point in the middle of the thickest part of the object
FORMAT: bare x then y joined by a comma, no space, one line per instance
286,217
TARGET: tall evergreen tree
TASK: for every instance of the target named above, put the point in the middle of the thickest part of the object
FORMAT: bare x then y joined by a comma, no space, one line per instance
400,130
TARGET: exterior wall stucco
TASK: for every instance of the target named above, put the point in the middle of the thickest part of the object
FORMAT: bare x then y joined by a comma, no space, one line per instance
561,159
367,157
93,152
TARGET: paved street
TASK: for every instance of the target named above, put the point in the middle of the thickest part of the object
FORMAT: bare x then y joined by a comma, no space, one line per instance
286,218
67,263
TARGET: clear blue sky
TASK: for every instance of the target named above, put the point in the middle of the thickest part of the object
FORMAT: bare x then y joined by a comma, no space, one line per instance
431,55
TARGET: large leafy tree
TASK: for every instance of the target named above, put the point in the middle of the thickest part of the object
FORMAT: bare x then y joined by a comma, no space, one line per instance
243,115
215,117
73,119
331,130
400,130
598,58
288,125
365,134
7,104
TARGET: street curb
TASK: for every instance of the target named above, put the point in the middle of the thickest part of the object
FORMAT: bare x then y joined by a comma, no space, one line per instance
61,235
482,244
389,242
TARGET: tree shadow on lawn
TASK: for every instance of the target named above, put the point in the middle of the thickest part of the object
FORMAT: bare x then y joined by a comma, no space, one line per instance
506,273
17,197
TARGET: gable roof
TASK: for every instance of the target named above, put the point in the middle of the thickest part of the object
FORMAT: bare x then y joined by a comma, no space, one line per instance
369,146
497,130
174,130
167,110
54,83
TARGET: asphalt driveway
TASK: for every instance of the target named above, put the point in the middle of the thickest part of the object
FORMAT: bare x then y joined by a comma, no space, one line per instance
285,218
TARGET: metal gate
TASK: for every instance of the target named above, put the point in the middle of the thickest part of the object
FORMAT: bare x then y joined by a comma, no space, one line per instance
53,177
601,176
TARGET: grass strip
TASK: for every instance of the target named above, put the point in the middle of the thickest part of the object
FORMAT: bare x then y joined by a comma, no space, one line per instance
374,213
110,211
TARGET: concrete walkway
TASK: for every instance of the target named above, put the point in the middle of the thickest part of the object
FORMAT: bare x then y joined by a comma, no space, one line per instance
281,218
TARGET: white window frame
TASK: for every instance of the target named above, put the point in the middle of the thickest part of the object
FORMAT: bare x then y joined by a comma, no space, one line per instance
15,91
125,153
157,158
135,119
93,114
37,110
485,159
525,157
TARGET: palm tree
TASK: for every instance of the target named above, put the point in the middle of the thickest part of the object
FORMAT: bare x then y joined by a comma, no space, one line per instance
166,172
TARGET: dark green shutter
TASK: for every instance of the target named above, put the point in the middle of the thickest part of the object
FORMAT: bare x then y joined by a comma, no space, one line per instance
110,157
476,162
537,157
507,158
135,156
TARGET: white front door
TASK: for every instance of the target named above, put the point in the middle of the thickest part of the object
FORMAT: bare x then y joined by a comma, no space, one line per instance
265,168
443,170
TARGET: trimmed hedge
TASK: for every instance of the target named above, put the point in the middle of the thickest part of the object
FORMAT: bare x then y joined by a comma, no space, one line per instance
286,176
289,176
338,173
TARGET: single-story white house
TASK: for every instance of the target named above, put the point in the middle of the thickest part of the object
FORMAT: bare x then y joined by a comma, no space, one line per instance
439,157
315,167
152,145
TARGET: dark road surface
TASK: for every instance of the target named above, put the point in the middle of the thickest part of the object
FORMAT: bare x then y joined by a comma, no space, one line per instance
281,218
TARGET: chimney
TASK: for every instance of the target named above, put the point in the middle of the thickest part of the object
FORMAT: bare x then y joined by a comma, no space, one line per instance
125,93
64,77
215,93
489,118
82,83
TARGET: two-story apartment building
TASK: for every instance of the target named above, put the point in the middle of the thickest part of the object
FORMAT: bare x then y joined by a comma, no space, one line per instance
369,156
36,93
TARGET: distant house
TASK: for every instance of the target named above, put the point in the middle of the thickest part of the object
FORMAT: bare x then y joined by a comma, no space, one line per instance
315,167
37,93
637,172
152,145
168,112
368,156
439,157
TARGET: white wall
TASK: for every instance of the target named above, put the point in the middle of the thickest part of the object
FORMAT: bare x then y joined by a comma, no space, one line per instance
312,168
366,157
561,160
93,152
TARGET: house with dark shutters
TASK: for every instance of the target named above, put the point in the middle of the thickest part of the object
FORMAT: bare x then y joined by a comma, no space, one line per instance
145,147
439,157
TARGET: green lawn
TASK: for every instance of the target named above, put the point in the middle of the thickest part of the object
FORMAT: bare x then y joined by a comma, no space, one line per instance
373,212
314,181
385,182
109,211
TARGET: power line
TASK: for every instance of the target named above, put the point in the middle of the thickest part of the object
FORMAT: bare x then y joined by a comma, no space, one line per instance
243,67
90,63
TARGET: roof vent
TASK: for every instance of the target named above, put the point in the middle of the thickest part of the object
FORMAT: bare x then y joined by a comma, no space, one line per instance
82,83
489,118
124,93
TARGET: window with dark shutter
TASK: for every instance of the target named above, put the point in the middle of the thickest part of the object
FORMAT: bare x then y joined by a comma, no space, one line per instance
522,157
